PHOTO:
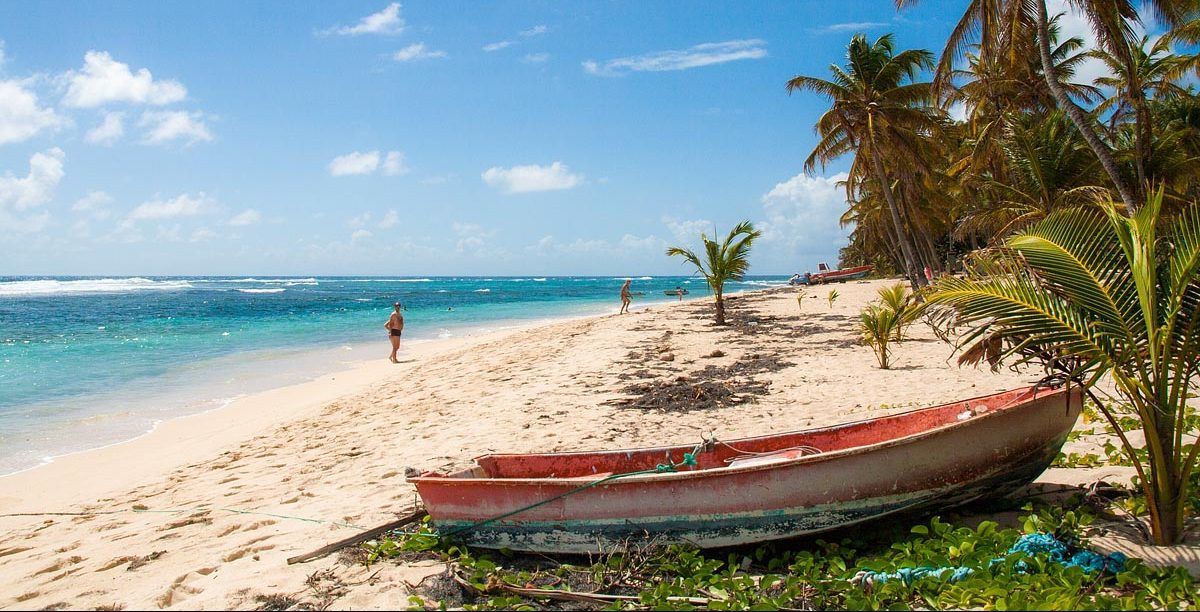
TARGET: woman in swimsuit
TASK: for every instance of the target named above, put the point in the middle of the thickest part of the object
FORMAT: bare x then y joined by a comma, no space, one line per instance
395,327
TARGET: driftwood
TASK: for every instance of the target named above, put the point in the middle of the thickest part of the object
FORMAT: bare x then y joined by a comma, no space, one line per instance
407,519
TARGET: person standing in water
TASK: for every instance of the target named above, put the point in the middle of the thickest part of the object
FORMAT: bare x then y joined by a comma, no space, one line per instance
395,325
625,298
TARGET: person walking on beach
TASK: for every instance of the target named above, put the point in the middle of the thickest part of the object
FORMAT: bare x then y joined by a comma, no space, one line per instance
395,325
625,298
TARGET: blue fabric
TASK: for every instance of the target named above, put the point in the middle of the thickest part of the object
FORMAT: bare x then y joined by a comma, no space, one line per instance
1030,544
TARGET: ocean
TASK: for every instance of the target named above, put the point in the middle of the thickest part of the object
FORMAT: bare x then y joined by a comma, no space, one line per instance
87,362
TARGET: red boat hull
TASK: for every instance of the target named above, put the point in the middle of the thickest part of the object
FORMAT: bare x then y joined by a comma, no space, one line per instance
840,276
934,457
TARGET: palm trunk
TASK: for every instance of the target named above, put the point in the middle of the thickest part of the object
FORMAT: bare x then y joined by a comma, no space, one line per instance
914,277
1128,195
720,306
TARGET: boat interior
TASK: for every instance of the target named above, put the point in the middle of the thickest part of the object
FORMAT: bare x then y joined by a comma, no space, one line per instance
716,454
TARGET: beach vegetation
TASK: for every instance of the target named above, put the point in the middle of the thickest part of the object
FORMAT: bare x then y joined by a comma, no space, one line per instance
820,573
1093,295
878,324
903,303
832,297
721,262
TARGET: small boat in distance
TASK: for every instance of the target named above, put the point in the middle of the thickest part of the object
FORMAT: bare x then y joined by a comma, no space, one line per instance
727,493
826,275
676,291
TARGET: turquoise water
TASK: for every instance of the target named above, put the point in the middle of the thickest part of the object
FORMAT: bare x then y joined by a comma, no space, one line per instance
86,362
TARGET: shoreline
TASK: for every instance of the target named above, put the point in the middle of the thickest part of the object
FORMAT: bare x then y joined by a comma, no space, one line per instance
243,363
316,391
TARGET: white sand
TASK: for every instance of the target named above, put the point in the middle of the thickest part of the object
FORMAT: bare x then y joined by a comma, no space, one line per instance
336,449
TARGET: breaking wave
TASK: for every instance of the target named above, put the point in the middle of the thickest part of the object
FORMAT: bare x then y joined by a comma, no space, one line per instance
93,285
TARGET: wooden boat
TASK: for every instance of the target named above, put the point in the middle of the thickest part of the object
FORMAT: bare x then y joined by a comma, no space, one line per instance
756,489
825,275
675,292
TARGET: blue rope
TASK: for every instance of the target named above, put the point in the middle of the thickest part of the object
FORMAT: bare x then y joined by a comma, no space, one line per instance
1029,544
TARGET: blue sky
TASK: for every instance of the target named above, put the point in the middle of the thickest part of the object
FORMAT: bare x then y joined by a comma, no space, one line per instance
417,138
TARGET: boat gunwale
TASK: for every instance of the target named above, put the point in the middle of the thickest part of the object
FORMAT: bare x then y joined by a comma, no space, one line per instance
1029,394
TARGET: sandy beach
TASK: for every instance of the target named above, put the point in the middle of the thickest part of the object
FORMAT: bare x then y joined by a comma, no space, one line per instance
203,512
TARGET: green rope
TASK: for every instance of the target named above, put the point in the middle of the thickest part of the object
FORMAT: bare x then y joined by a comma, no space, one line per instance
689,459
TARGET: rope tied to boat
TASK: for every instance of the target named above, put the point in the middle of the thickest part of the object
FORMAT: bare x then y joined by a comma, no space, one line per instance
689,459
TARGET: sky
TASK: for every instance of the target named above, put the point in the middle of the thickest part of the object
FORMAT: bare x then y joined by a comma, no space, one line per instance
419,138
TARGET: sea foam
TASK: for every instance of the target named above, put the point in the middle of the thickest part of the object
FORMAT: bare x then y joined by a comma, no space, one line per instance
92,285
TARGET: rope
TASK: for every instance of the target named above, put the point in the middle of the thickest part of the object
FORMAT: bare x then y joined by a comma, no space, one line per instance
689,459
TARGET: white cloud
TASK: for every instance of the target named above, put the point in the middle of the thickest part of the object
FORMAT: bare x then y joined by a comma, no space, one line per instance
354,163
202,234
440,179
104,80
705,54
627,245
20,196
535,58
393,164
525,179
472,238
803,212
246,217
496,46
183,205
416,51
20,116
858,26
389,220
359,220
165,126
688,231
359,235
387,22
109,131
536,30
94,204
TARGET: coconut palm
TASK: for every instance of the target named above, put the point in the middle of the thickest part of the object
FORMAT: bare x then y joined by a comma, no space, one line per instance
722,262
1093,295
878,326
1002,25
1047,167
880,111
1151,70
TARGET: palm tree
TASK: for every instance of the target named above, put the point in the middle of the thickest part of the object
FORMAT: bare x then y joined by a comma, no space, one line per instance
1093,294
1001,26
727,261
1152,69
1047,167
879,112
